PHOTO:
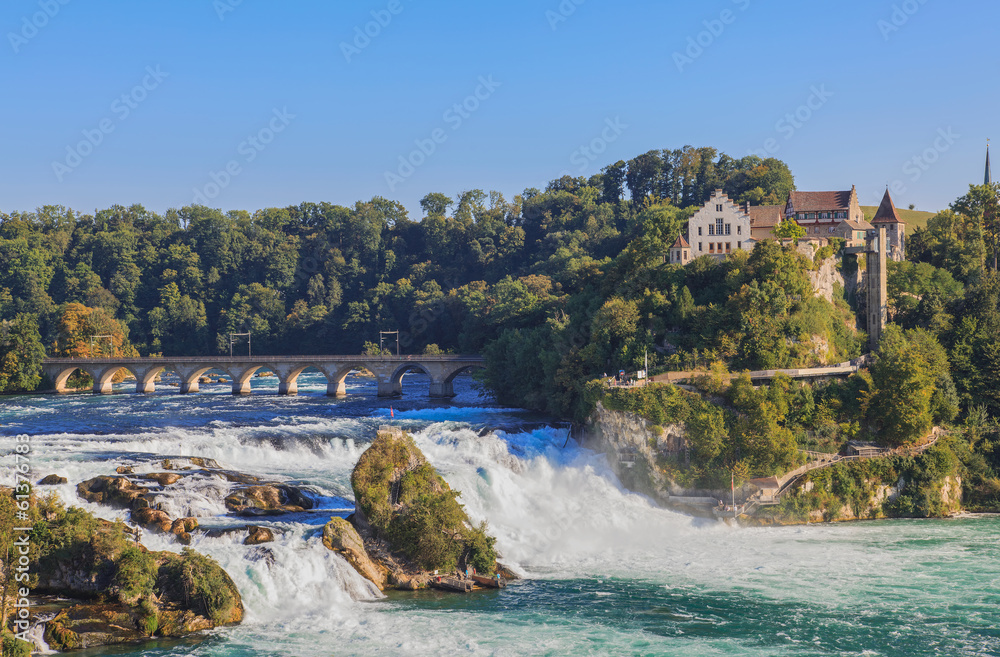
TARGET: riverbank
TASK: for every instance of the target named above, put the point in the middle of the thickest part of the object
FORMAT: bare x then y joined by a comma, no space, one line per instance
938,480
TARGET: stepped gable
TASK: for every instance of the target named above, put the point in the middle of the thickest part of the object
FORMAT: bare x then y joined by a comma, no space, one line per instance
887,213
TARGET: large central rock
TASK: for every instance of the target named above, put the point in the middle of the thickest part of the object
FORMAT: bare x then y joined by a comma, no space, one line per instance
408,519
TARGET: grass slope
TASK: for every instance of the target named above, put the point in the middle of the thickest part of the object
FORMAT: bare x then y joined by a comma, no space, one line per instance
913,218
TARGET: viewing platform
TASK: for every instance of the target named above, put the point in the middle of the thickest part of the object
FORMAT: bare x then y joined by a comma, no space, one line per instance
388,371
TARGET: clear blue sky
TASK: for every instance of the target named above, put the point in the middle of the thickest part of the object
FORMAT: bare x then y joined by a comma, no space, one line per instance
894,92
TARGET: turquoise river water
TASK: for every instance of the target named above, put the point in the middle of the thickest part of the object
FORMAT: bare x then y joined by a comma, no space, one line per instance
605,571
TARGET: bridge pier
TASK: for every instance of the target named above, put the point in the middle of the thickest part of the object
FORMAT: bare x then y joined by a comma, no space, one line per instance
442,389
106,387
335,388
389,387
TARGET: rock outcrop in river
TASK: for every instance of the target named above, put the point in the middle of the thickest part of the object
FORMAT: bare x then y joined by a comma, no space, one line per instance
408,522
120,592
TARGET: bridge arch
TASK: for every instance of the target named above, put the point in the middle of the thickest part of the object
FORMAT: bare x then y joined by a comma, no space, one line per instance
393,385
191,376
105,379
61,376
336,377
446,386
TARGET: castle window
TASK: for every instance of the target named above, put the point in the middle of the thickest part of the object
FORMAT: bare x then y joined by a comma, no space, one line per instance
718,207
718,226
739,230
711,230
729,247
699,247
728,226
699,231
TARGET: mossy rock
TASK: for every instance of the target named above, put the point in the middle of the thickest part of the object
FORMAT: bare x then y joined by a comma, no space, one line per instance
195,582
341,537
407,503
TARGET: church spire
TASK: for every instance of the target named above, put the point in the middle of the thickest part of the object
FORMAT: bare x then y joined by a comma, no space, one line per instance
989,176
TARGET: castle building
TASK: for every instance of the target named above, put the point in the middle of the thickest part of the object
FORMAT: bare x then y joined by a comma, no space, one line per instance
719,227
895,228
853,232
820,213
764,219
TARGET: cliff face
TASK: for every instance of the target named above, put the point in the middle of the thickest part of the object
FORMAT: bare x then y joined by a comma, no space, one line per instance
633,445
878,489
825,277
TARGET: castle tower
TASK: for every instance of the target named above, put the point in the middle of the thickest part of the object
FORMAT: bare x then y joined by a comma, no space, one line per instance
876,285
895,228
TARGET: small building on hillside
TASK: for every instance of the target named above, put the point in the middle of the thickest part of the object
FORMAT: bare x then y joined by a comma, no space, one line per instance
895,228
764,219
820,213
719,227
680,252
853,232
862,449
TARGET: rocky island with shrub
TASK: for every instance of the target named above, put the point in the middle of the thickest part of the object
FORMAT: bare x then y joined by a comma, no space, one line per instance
408,528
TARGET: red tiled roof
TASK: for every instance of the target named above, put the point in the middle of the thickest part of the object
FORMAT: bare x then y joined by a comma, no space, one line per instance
765,216
887,212
680,243
821,201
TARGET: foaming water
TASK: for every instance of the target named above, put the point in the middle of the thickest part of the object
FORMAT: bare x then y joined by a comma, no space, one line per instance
608,571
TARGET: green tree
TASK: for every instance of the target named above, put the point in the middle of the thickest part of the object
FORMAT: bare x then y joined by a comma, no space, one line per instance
21,354
789,229
902,383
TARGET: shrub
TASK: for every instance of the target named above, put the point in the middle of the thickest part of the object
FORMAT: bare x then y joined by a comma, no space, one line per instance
135,575
202,583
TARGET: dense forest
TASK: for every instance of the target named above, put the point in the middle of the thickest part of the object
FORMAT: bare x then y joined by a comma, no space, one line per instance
554,287
322,278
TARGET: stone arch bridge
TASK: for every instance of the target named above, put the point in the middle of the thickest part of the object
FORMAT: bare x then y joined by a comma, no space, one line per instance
388,371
